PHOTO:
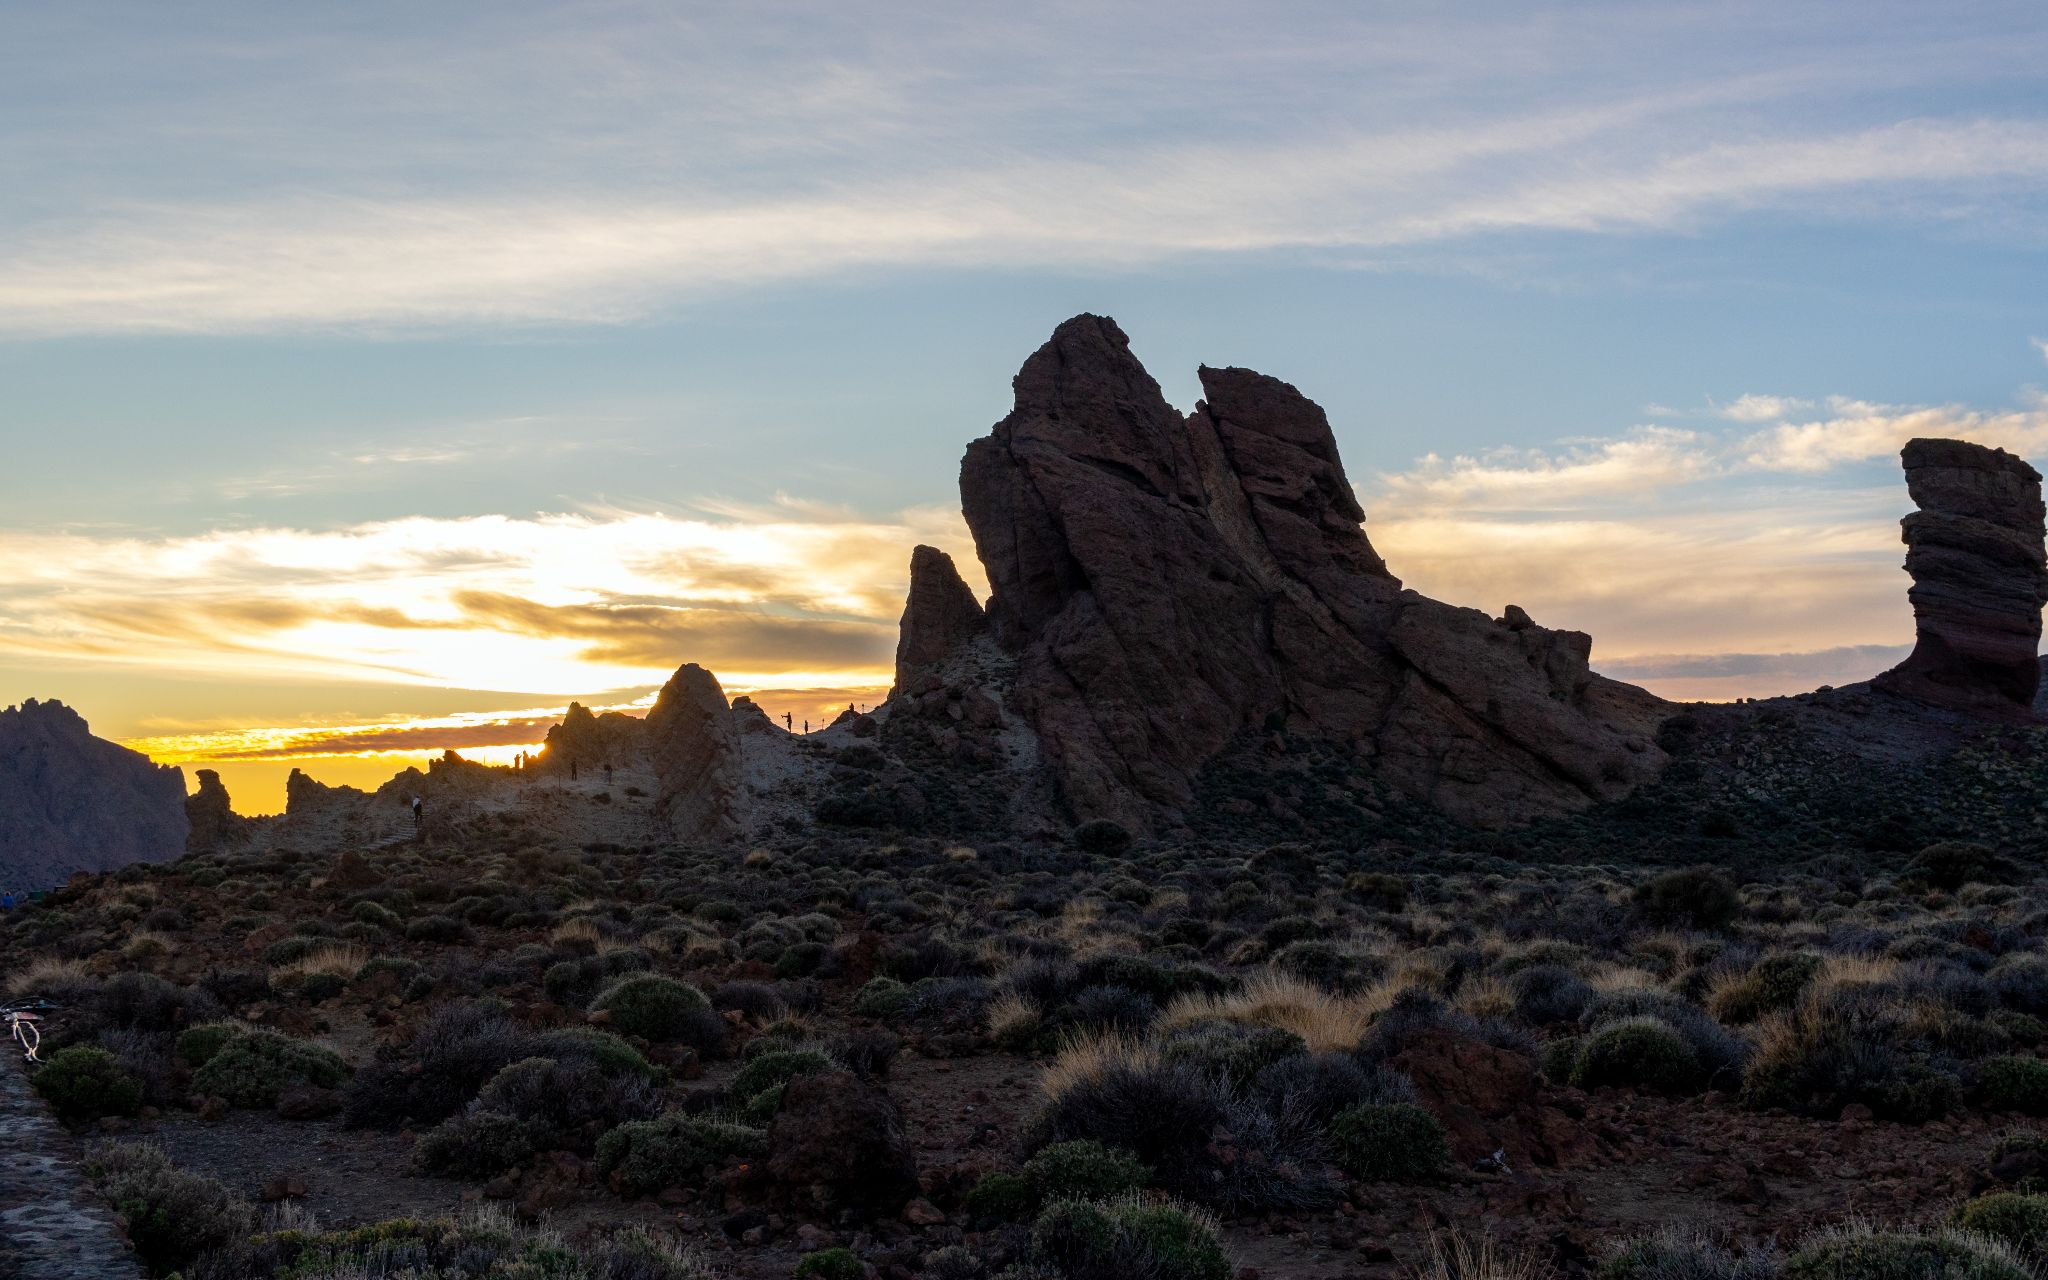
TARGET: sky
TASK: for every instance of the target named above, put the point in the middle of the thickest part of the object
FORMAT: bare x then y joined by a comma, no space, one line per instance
380,377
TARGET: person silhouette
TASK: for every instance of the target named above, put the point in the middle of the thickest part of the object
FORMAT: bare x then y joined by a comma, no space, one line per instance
788,722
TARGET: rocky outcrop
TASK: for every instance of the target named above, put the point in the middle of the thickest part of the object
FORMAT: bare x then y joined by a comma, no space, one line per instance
940,614
695,749
585,740
215,824
748,717
1974,549
1167,584
72,802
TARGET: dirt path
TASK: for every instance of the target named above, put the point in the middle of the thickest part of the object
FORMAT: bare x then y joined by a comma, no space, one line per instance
54,1224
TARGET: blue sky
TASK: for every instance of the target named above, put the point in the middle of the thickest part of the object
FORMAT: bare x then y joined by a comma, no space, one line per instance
1621,311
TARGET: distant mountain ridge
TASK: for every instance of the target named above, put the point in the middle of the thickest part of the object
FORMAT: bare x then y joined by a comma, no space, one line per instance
72,802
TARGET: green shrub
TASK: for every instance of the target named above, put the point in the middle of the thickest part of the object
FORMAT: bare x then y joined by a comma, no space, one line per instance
84,1082
1115,1239
1953,863
255,1065
375,913
1896,1255
173,1215
881,998
2019,1220
777,1068
475,1144
674,1150
831,1264
1006,1197
1774,982
657,1008
1235,1050
1698,897
286,950
608,1053
1084,1169
1641,1052
2014,1084
1390,1142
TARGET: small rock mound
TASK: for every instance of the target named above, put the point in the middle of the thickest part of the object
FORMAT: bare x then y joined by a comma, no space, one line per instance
696,752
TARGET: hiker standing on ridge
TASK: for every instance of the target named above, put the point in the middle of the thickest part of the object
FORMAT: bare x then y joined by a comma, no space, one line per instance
417,805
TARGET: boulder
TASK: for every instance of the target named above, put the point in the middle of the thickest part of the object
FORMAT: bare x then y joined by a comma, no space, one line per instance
1489,1100
695,749
748,717
838,1143
1167,584
1974,549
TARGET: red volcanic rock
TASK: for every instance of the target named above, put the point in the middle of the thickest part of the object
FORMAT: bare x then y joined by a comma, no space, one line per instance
695,749
939,615
1974,549
1491,1100
1169,583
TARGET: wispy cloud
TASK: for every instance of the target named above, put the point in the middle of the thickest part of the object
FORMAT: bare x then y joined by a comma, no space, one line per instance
1761,408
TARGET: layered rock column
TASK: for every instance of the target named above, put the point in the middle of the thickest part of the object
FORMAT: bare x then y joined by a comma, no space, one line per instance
1975,552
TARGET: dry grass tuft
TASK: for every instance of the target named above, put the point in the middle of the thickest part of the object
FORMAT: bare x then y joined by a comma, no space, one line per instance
1274,999
961,853
45,972
1453,1257
1013,1017
581,929
341,959
1086,1057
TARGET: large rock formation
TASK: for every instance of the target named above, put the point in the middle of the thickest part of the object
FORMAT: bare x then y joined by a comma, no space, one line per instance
1170,583
215,824
939,615
1974,549
72,802
695,748
585,740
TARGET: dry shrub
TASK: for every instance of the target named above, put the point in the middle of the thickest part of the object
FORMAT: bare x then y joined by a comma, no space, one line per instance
1453,1257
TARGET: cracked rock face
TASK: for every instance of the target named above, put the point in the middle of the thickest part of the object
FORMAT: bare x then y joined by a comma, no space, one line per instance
695,748
1974,550
1169,582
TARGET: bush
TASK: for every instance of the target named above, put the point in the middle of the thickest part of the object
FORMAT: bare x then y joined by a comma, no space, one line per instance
1113,1240
1774,982
1237,1051
255,1065
1672,1254
1164,1112
1816,1061
477,1144
1856,1254
1313,1088
674,1150
1548,994
565,1105
831,1264
662,1010
444,929
1103,838
173,1215
1006,1197
1390,1142
776,1068
84,1082
881,999
1084,1169
2019,1220
1697,897
1641,1052
1953,863
2014,1084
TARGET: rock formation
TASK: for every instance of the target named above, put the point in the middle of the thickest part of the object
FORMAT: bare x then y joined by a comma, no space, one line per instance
1167,584
939,615
695,748
585,740
1974,549
72,802
215,823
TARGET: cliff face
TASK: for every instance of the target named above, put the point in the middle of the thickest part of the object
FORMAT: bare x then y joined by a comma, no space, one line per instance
1974,549
1167,583
72,802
